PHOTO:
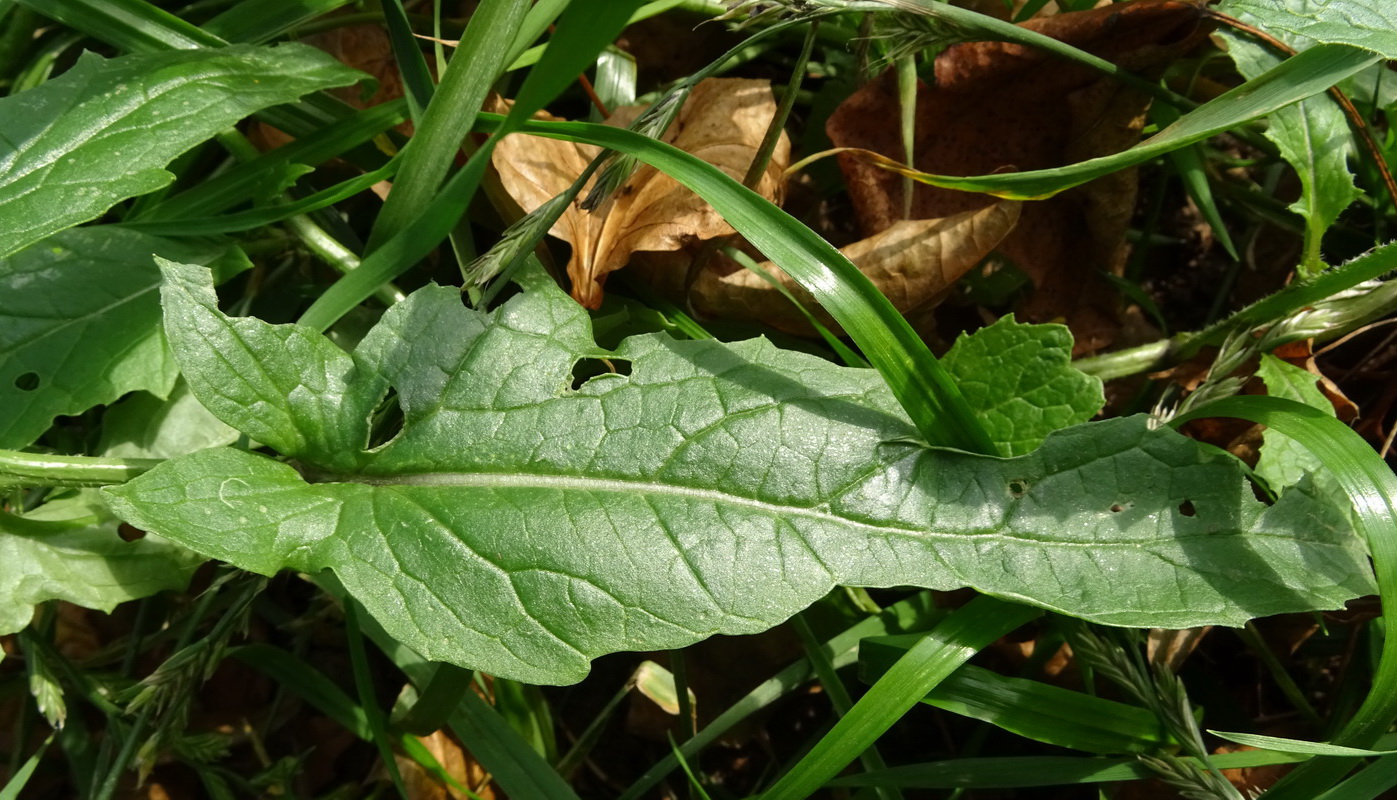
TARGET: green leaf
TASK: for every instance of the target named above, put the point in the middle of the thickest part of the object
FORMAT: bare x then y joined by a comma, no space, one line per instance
80,323
522,527
103,131
69,549
1368,24
144,426
1300,746
1028,708
1020,380
1284,462
1309,73
1313,135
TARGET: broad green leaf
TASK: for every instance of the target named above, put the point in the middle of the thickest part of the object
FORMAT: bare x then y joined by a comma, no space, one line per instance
523,527
80,323
103,131
1368,24
1020,380
144,426
69,549
1284,462
1313,135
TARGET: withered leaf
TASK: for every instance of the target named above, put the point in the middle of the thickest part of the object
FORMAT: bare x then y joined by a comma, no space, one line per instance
1000,106
722,122
913,262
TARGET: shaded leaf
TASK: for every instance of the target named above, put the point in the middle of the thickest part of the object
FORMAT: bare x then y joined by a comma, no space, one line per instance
1312,135
1021,381
722,121
69,549
521,527
1284,462
913,263
102,132
996,106
80,323
144,426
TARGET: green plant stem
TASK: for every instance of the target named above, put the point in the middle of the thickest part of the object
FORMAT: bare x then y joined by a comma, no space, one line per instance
783,111
35,469
1254,641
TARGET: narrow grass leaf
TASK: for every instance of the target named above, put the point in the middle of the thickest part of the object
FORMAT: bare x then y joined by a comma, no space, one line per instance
276,169
1028,708
135,26
21,776
1028,771
296,676
581,34
260,21
1298,746
1297,78
1372,490
939,653
104,130
267,215
916,613
1371,782
515,766
407,52
921,384
478,62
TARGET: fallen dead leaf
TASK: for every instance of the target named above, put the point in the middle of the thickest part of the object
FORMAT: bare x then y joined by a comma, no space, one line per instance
454,761
1001,106
722,122
913,262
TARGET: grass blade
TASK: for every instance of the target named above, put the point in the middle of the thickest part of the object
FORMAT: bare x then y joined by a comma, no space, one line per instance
260,21
925,390
516,767
1372,488
132,25
948,645
478,63
1304,75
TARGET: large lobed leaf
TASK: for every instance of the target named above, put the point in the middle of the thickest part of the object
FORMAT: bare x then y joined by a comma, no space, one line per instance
80,323
523,527
102,132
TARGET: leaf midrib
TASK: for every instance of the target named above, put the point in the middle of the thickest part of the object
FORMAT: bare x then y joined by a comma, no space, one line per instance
519,480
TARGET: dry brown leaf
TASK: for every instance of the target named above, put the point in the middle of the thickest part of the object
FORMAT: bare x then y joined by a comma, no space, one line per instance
997,106
722,122
913,262
455,761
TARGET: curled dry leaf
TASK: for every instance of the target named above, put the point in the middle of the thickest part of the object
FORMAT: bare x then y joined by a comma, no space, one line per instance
999,106
913,262
722,122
